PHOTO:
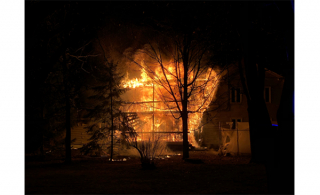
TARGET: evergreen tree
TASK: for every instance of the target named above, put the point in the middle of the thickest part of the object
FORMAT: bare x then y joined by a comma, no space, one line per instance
57,48
105,92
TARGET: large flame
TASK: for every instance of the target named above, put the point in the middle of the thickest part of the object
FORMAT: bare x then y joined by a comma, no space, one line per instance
157,108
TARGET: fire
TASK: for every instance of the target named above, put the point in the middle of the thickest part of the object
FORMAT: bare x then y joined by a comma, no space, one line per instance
156,107
136,82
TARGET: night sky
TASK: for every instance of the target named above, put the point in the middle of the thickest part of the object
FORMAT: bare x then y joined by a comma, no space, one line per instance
130,24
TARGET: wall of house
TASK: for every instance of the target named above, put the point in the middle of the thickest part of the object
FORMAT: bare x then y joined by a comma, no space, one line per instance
79,133
224,110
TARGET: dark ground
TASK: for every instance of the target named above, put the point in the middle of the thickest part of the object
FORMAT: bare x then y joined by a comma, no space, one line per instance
205,173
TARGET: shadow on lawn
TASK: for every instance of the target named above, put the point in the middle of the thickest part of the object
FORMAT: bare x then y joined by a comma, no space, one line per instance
194,161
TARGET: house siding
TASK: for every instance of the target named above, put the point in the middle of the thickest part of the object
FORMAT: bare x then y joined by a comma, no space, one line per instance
79,133
224,110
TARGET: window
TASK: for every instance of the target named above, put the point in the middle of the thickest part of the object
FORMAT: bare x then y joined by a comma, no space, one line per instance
267,94
234,122
235,95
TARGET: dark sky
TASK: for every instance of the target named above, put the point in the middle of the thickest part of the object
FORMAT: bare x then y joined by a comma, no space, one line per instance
51,27
116,19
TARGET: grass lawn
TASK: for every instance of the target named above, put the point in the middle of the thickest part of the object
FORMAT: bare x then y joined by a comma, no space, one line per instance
210,174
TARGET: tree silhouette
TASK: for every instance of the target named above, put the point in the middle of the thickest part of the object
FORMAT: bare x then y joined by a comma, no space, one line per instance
266,37
106,91
58,44
178,55
181,72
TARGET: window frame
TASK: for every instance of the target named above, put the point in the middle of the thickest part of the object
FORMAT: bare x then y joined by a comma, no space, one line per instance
237,120
264,94
236,89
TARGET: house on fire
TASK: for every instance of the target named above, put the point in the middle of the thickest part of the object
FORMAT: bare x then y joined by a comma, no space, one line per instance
229,112
226,113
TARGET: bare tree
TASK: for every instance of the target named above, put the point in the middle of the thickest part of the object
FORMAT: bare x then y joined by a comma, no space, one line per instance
148,149
183,75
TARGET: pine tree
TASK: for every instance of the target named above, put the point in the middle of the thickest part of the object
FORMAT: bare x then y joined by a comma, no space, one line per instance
57,47
106,91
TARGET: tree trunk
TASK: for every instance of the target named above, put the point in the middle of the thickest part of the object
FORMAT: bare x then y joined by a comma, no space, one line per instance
260,128
185,130
268,145
68,115
42,130
253,79
261,134
185,101
68,131
259,120
111,113
283,164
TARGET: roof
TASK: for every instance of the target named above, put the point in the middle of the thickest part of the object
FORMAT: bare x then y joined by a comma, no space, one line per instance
273,73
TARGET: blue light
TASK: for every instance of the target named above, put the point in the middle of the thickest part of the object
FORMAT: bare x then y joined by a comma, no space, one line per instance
274,125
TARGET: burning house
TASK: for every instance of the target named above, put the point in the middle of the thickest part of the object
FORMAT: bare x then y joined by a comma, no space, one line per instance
160,110
217,108
156,96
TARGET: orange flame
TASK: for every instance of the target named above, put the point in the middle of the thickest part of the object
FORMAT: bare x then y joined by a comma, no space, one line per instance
156,111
